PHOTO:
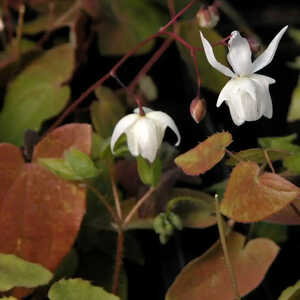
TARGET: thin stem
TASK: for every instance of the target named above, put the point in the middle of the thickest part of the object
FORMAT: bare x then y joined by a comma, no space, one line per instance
118,262
59,22
113,214
172,11
193,55
116,194
269,160
225,250
150,63
20,29
234,156
137,206
116,67
295,209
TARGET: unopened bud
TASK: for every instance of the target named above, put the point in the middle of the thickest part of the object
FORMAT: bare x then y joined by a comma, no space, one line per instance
208,17
1,25
198,109
254,44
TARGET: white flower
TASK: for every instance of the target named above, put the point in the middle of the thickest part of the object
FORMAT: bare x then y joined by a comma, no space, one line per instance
247,94
144,133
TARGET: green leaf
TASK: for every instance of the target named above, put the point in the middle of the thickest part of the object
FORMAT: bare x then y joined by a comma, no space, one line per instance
106,112
16,272
8,298
125,24
218,188
294,33
81,164
59,167
276,232
291,293
149,172
78,289
257,155
280,143
294,109
210,78
195,209
36,94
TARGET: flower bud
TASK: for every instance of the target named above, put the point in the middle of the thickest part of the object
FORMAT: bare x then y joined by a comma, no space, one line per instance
198,109
208,17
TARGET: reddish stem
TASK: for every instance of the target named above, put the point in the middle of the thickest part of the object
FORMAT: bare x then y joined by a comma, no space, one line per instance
118,263
150,63
121,61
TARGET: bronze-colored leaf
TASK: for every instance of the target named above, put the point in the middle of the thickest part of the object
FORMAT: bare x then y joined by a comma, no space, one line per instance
205,155
252,197
207,277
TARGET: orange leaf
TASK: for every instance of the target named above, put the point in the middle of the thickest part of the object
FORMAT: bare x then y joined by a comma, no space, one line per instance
40,214
207,278
205,155
251,197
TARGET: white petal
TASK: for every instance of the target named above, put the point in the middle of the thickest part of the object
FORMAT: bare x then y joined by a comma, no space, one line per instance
237,120
145,109
147,137
225,93
266,57
163,121
263,94
121,128
234,87
212,60
239,55
132,142
252,107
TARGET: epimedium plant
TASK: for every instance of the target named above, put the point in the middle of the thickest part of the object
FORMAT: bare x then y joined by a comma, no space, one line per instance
71,196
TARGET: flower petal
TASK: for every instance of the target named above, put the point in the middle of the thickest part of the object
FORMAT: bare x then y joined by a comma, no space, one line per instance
225,93
237,119
239,55
163,121
212,60
252,107
263,93
121,128
147,136
266,57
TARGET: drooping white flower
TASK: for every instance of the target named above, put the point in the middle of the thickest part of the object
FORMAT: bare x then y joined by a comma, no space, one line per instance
144,133
247,94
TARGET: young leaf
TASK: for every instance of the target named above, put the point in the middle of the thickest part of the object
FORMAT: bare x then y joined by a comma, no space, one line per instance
17,272
294,109
78,289
205,155
252,197
275,232
81,164
291,293
149,172
208,276
280,143
36,94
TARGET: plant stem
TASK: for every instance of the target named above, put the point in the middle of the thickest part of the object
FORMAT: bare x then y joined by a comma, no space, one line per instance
225,250
115,193
118,262
137,206
113,214
98,83
150,63
269,160
20,29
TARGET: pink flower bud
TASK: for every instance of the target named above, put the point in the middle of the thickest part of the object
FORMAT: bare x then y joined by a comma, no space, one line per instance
208,17
198,109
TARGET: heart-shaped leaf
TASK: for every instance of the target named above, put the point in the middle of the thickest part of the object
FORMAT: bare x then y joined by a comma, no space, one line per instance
252,197
40,214
36,94
207,277
205,155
